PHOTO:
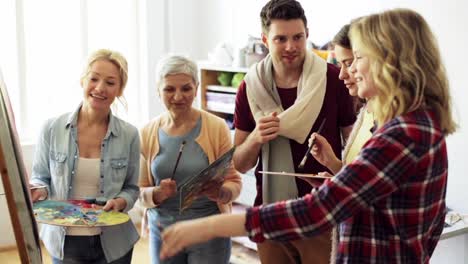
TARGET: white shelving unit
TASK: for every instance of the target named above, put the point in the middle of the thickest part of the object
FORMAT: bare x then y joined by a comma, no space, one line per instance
218,99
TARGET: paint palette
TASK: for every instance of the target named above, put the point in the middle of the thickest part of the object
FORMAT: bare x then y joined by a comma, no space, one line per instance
75,214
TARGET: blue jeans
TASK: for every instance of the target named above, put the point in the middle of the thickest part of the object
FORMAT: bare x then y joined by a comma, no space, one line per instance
87,249
216,251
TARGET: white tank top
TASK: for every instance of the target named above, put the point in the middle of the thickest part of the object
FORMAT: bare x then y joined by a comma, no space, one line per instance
85,185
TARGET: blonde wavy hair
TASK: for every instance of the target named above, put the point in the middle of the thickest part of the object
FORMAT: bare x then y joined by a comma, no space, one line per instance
405,65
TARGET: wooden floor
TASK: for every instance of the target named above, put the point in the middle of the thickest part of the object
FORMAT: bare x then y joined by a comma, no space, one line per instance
240,254
140,254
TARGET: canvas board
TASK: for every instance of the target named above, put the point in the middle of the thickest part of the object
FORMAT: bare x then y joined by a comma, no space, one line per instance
192,188
15,183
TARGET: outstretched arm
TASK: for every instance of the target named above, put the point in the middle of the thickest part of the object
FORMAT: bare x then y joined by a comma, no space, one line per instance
369,178
186,233
356,187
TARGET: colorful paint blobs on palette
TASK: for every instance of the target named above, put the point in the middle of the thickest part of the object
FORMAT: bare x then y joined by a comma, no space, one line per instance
113,218
68,214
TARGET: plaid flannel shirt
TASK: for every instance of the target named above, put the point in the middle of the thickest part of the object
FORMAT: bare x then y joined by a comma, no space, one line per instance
389,203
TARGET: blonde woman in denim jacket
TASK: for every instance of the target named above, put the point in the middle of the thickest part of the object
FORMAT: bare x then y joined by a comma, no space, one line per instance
91,153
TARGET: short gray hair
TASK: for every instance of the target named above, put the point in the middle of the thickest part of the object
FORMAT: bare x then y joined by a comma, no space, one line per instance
176,64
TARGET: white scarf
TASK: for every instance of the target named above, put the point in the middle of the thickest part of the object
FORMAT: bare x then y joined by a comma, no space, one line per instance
297,120
295,123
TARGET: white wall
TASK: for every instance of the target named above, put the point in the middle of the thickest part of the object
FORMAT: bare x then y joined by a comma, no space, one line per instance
451,251
7,238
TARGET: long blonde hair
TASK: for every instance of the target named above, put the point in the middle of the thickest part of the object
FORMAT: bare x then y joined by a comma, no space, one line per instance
405,65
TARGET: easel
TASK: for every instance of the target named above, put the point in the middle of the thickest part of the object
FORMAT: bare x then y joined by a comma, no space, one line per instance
15,183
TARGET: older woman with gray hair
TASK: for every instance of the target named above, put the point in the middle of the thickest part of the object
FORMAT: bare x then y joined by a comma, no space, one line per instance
205,138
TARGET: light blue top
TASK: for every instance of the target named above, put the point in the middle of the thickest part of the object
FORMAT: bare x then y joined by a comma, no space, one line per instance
55,163
192,161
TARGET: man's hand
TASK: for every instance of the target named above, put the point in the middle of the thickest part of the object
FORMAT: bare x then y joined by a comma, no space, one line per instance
249,144
267,128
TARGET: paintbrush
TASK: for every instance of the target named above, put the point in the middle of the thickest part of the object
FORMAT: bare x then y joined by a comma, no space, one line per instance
302,164
178,158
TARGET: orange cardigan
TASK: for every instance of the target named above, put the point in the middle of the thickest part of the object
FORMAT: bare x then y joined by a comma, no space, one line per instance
214,139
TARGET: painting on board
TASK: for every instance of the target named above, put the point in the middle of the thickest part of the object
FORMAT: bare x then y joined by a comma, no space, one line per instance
192,188
15,184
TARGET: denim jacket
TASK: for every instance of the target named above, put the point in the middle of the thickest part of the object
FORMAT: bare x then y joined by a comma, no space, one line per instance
55,164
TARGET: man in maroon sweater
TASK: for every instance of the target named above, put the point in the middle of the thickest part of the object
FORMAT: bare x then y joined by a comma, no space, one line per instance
285,32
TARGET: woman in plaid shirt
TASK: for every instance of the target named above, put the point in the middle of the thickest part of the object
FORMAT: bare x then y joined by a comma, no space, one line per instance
389,203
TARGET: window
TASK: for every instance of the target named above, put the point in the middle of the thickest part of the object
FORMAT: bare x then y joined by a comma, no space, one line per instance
8,53
44,49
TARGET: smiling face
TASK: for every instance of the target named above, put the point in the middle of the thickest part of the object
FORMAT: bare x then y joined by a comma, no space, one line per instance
286,42
361,71
345,58
177,92
101,85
